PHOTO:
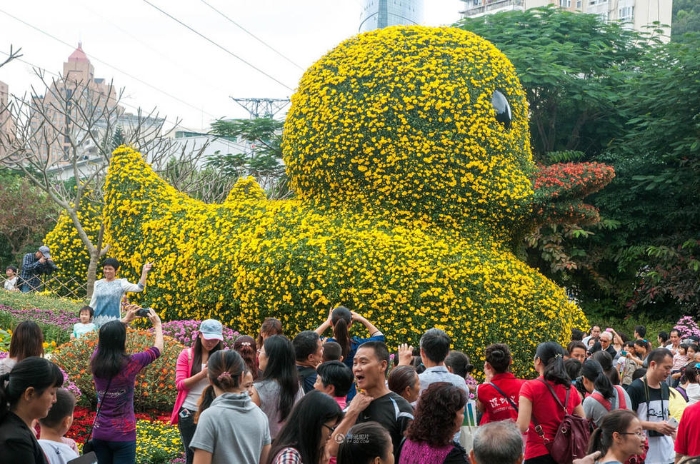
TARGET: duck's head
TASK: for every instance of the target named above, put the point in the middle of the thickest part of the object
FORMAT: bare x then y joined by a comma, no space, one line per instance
424,123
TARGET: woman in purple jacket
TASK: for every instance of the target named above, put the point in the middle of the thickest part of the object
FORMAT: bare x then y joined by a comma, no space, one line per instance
114,373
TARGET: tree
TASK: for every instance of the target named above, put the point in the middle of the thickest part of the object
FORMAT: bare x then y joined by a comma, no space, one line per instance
14,54
571,66
67,128
686,18
653,256
263,160
26,215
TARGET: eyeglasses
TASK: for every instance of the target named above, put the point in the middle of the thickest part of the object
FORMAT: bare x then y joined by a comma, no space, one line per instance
330,429
639,434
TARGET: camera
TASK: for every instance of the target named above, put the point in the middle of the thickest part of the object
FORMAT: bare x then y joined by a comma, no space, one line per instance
143,312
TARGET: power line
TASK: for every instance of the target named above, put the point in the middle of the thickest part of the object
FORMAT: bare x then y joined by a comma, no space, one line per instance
121,102
251,34
218,46
147,45
107,64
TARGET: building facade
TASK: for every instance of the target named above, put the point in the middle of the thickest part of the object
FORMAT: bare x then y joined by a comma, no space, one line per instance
377,14
7,126
634,14
72,105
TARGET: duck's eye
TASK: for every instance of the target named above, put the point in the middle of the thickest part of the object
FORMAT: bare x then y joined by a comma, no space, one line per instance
503,113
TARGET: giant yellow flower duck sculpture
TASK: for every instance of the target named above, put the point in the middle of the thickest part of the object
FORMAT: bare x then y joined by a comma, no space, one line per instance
408,151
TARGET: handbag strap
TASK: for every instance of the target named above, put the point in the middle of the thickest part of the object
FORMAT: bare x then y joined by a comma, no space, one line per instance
551,390
99,406
538,427
512,403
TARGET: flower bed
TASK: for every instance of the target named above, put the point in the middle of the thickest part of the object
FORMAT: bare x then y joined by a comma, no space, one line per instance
186,332
156,440
154,386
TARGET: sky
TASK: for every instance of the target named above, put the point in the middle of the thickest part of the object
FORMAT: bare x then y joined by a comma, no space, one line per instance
163,64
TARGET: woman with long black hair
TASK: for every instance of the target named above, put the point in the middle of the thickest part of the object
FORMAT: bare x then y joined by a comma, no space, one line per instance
340,319
538,406
191,380
278,389
604,396
114,373
303,438
26,394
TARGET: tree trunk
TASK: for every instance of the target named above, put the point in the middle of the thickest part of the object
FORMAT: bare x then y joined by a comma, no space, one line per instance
92,272
95,255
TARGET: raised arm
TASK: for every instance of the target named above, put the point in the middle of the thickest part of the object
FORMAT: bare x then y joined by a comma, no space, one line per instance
321,329
144,273
370,327
158,326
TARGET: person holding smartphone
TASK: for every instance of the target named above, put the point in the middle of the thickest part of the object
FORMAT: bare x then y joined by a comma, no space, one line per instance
191,380
114,372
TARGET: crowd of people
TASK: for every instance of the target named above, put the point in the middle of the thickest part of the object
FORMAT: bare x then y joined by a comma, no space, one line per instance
276,399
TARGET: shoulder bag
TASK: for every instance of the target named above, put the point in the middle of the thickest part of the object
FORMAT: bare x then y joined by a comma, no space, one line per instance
571,438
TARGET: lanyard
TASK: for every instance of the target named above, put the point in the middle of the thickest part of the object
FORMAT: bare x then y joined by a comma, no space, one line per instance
646,393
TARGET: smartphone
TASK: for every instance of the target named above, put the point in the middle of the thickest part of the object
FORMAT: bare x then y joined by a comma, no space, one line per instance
623,353
673,422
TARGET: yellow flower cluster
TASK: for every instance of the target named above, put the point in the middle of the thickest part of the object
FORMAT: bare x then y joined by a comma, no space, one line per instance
410,194
157,442
69,252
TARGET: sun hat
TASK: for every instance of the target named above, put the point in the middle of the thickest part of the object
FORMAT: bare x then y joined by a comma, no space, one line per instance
211,330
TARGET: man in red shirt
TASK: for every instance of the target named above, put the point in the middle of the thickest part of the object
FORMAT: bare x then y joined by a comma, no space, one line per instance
687,436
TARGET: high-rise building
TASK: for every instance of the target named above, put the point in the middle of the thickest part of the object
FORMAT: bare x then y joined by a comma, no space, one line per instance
7,126
377,14
634,14
73,103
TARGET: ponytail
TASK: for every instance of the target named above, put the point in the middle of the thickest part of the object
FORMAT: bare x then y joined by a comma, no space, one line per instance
551,355
593,371
594,443
341,317
208,396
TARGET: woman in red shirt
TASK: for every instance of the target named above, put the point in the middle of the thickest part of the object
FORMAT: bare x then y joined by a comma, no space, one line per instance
538,405
498,396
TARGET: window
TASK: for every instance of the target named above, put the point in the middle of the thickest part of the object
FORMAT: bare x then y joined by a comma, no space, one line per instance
626,13
578,4
565,3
